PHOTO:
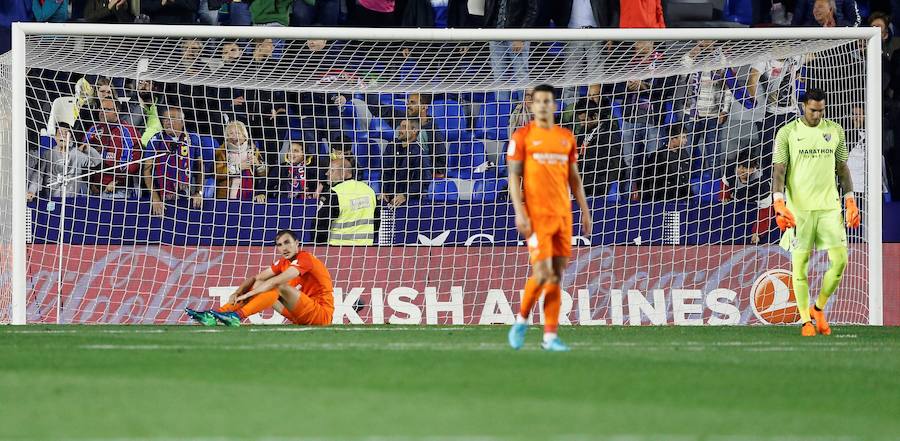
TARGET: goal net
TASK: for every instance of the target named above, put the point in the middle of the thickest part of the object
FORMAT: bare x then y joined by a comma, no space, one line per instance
159,163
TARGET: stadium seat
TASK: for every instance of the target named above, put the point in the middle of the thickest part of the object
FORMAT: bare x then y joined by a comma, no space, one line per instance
705,189
442,190
450,119
489,190
380,129
493,121
463,157
208,146
612,194
368,158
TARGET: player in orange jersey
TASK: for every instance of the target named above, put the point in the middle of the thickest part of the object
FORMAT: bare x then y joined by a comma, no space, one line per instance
543,155
279,287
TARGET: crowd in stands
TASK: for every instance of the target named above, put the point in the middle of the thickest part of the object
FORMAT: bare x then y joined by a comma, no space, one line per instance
658,139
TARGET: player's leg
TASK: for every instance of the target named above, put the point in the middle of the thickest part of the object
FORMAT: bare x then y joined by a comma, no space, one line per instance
541,271
801,249
254,305
833,237
301,309
562,250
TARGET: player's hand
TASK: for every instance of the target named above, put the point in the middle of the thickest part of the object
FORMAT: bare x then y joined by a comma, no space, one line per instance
853,217
157,208
523,224
587,224
783,217
233,298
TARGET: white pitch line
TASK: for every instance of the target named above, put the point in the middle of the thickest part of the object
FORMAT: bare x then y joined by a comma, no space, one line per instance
573,437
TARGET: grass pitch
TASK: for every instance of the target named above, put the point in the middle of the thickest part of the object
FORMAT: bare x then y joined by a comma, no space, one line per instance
447,384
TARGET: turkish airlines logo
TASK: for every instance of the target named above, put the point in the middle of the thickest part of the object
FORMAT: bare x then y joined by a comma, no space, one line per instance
773,298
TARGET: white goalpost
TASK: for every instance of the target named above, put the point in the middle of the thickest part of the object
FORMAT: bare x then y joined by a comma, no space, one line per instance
235,127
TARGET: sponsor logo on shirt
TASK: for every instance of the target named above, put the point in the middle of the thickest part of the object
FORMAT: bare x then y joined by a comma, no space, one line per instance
550,158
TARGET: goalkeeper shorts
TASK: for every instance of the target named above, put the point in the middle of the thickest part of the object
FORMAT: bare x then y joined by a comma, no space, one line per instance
822,229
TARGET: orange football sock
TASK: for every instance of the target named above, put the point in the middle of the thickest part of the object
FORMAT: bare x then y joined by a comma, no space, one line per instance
531,296
228,307
258,303
552,301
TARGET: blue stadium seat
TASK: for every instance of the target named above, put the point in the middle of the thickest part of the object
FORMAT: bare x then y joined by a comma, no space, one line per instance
463,157
442,190
488,190
705,189
368,158
493,121
208,146
612,195
396,101
450,119
380,129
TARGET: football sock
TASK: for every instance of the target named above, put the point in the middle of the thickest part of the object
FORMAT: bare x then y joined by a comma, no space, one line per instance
532,293
800,264
551,307
258,303
832,278
228,307
549,336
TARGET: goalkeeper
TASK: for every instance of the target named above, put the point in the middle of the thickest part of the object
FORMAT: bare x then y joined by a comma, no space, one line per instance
809,152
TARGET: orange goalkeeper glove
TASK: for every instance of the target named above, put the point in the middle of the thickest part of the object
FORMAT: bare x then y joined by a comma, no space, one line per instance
853,217
783,217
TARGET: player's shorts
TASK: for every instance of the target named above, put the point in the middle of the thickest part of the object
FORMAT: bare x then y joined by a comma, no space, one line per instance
551,237
822,229
308,312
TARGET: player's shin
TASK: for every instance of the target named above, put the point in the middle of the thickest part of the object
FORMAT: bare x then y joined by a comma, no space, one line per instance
800,264
552,300
838,258
529,298
259,303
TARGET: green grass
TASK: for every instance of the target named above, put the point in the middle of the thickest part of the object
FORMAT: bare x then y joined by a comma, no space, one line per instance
410,383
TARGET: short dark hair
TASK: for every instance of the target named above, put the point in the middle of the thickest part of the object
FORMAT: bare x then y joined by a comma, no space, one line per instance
676,130
544,88
424,98
878,15
286,233
814,94
747,159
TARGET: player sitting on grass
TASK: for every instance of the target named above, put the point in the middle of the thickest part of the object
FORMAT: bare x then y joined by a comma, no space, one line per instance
809,153
542,165
279,287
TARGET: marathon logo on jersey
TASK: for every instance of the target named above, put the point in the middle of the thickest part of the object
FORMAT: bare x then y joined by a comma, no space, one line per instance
550,158
772,298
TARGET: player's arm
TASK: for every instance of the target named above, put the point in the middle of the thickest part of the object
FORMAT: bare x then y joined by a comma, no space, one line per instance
272,282
523,224
841,155
783,216
578,190
515,157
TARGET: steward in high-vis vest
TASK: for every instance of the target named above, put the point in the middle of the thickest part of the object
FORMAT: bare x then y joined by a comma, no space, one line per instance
348,212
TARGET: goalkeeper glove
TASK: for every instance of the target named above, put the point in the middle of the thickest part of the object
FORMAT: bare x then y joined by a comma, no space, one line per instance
783,217
853,217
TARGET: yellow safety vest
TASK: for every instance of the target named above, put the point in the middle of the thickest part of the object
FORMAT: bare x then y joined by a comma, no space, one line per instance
355,225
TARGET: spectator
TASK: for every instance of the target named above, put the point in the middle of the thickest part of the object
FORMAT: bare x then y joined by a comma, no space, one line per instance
108,11
66,160
430,138
774,83
581,57
521,114
50,10
599,145
145,111
643,112
120,148
208,11
404,166
641,14
239,13
289,179
668,172
316,12
706,105
372,13
271,12
426,14
826,13
509,59
857,161
744,183
179,171
12,11
170,11
240,170
348,211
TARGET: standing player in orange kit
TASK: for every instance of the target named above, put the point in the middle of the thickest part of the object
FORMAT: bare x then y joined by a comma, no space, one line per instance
298,286
544,155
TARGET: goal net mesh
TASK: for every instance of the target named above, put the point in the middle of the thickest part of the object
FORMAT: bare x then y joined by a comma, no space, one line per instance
236,137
